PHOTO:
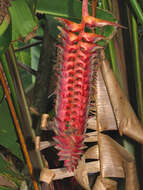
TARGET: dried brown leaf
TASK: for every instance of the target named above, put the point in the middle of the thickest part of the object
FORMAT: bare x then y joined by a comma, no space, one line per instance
61,173
90,167
46,144
92,153
106,117
131,176
91,123
81,174
105,184
46,175
127,121
93,167
110,159
91,137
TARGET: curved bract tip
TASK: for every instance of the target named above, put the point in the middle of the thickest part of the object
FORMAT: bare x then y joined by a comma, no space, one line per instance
92,22
69,25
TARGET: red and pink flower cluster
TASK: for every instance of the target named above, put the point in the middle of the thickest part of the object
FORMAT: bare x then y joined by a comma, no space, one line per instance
77,53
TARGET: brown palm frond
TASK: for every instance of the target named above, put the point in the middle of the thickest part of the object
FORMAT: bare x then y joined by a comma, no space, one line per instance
126,118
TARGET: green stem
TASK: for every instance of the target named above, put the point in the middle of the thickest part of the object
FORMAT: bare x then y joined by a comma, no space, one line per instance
113,57
137,67
110,4
111,47
27,121
12,55
137,10
35,6
104,4
10,82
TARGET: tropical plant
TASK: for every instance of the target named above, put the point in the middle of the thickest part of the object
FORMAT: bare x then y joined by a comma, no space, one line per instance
28,81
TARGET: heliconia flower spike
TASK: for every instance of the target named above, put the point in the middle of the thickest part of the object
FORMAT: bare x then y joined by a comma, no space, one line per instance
75,57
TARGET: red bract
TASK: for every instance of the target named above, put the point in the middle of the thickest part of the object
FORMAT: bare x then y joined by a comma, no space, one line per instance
77,53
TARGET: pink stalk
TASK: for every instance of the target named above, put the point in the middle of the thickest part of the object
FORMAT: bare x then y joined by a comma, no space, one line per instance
85,8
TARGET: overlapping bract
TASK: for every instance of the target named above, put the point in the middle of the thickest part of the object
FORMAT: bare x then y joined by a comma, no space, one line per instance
76,55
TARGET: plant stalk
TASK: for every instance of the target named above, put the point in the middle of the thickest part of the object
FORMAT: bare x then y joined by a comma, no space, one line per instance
137,10
17,125
139,89
26,121
10,82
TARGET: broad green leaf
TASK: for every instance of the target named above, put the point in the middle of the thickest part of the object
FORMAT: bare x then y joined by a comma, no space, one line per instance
8,137
35,51
64,8
31,4
22,18
5,34
72,9
23,56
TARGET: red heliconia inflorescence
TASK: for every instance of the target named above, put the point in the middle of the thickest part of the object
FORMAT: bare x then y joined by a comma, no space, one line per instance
76,55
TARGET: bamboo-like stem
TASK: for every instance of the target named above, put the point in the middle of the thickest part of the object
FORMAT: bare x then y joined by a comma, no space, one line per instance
24,109
10,81
139,89
95,97
120,50
13,59
113,57
137,10
111,48
104,4
110,4
17,125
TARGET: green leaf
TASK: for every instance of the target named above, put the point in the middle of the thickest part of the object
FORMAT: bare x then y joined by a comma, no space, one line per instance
31,4
69,8
22,18
73,11
57,8
23,56
138,10
5,34
8,137
105,15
